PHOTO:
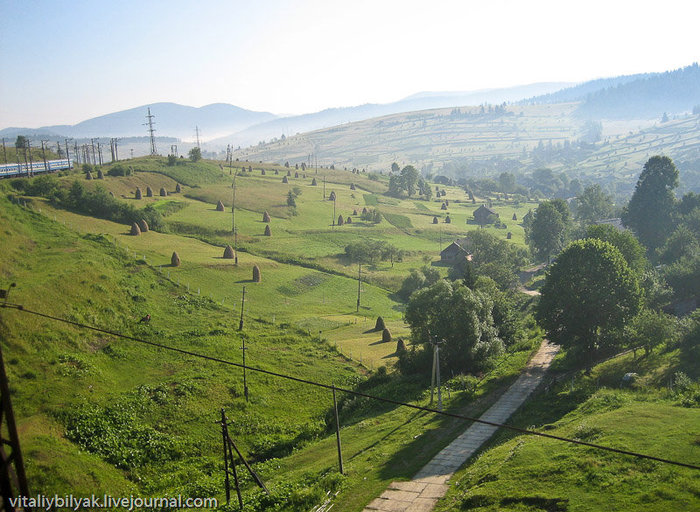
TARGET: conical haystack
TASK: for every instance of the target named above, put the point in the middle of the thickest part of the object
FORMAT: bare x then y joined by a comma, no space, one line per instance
285,180
178,188
149,192
143,225
266,217
135,230
163,192
386,335
267,230
340,220
229,253
256,274
175,260
220,207
138,194
380,325
435,220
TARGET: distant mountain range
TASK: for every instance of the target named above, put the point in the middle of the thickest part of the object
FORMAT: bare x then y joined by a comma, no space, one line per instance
171,120
421,101
642,96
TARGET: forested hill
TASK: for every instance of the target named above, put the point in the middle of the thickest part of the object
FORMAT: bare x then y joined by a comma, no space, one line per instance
643,96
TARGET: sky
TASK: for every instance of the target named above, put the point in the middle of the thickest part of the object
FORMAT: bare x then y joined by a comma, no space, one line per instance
65,61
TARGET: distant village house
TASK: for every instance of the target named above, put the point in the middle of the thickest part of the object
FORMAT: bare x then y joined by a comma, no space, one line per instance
484,215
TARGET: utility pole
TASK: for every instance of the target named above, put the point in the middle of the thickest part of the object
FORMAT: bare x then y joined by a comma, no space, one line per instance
436,373
240,325
67,153
43,154
151,131
30,165
116,149
196,131
333,211
233,219
245,382
13,480
359,284
99,151
324,185
92,149
4,151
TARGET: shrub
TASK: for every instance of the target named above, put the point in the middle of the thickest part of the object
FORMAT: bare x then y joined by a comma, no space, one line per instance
229,253
219,206
138,193
267,230
135,230
175,260
256,274
386,335
379,325
143,225
266,217
117,170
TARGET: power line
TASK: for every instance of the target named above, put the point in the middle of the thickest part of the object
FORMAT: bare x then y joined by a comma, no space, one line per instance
21,308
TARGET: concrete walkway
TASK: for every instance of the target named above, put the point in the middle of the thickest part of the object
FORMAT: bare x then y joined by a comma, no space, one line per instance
430,484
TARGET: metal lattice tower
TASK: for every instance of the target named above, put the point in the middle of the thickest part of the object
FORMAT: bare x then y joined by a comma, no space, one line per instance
151,131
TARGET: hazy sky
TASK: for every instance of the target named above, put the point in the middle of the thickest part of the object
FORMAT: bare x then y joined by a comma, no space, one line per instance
67,61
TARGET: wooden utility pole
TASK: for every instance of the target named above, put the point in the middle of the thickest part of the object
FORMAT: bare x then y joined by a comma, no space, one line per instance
245,382
4,150
359,284
337,433
228,458
240,325
233,218
43,154
13,480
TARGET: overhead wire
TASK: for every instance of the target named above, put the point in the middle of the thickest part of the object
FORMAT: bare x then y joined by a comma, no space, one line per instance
21,308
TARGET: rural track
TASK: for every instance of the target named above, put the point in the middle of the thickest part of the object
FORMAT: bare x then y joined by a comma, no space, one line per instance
422,493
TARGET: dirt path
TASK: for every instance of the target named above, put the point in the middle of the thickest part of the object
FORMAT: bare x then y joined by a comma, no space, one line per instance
430,483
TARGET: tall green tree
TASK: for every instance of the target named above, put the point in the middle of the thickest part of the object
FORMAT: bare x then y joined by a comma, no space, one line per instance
410,175
624,241
589,293
650,211
462,318
548,230
195,154
593,205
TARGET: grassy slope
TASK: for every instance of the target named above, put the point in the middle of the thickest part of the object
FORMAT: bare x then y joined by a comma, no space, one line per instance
525,473
87,278
55,369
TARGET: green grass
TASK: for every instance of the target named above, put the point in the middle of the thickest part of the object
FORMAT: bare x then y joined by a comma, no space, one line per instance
516,472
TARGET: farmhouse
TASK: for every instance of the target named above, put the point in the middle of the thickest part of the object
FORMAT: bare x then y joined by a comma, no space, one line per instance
455,250
484,215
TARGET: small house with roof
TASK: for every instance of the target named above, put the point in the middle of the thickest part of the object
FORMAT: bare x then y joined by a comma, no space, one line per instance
454,251
484,215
